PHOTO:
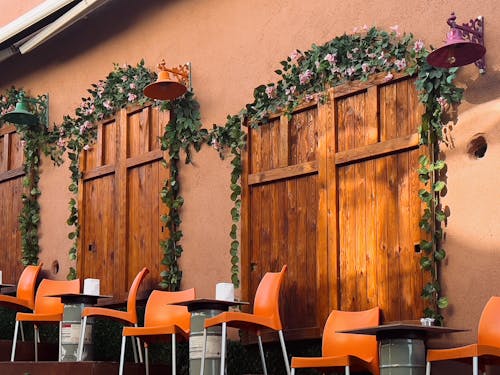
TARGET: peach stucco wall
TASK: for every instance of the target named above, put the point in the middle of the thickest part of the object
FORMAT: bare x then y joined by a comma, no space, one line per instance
236,45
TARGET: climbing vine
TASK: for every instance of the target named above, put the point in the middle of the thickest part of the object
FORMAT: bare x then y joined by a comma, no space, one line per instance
33,140
304,76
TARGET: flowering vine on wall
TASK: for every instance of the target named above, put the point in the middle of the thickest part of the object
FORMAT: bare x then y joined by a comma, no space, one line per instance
33,140
304,76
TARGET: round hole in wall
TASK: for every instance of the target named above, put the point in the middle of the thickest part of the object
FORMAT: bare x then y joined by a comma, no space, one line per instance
55,267
477,146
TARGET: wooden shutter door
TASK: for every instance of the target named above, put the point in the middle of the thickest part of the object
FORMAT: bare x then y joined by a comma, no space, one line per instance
378,205
11,189
282,216
333,193
120,201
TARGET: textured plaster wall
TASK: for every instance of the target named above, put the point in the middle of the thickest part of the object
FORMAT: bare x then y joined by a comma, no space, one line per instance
236,45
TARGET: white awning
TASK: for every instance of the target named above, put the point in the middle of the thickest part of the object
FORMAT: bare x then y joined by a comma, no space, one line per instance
42,23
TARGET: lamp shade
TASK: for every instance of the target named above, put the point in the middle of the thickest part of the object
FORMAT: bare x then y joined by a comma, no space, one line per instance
456,51
165,88
21,115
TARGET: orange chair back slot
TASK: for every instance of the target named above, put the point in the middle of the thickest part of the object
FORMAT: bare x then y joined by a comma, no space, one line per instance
489,329
134,289
266,302
27,284
53,305
161,312
339,344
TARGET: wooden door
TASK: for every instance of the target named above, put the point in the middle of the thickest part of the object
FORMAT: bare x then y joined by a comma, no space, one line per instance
120,204
11,189
333,193
281,215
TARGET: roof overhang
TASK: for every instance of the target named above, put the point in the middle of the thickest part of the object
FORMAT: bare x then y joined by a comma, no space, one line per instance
42,23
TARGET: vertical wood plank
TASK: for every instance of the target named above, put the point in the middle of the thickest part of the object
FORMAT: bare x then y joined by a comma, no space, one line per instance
121,255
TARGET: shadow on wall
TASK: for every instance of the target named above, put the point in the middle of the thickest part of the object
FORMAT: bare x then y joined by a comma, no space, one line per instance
483,88
84,35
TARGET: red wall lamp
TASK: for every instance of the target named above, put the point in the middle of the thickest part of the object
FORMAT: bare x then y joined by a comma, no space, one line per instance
464,45
171,83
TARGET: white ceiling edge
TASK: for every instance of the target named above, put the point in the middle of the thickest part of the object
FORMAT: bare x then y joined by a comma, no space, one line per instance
31,17
73,15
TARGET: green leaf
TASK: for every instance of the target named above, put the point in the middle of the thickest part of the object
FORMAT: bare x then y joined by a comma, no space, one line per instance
442,302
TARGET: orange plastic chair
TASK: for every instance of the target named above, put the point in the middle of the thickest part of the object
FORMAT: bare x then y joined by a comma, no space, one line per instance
48,310
343,350
161,319
487,346
266,314
128,317
25,292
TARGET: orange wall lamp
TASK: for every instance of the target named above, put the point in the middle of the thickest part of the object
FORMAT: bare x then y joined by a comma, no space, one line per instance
464,45
171,84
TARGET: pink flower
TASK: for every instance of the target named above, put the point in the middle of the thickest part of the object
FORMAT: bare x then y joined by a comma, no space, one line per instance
23,143
132,86
443,102
61,142
4,99
107,104
86,147
124,78
331,58
131,97
291,90
121,90
349,55
395,30
365,67
418,46
371,55
350,71
309,97
271,92
388,77
365,27
215,144
295,55
305,77
355,30
88,125
400,64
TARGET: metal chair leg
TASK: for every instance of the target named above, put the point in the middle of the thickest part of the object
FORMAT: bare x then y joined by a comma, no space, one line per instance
82,337
146,358
139,347
174,359
134,348
202,368
475,366
35,339
283,349
293,371
14,342
223,349
60,342
428,368
347,370
122,355
22,331
262,357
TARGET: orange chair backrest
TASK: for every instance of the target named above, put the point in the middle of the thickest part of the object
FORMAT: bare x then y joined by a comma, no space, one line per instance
134,288
489,329
363,346
52,305
27,284
266,302
160,312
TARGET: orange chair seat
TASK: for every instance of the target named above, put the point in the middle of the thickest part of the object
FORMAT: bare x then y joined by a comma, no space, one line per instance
14,303
242,320
468,351
150,334
117,315
333,361
39,318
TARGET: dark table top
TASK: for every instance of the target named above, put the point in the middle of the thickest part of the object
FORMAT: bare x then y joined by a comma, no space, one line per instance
209,304
68,298
403,330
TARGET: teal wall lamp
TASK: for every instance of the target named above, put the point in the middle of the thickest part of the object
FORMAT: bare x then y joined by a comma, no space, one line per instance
23,115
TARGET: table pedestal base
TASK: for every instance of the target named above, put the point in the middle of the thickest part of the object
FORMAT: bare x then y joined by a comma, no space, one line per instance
70,334
212,357
399,356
